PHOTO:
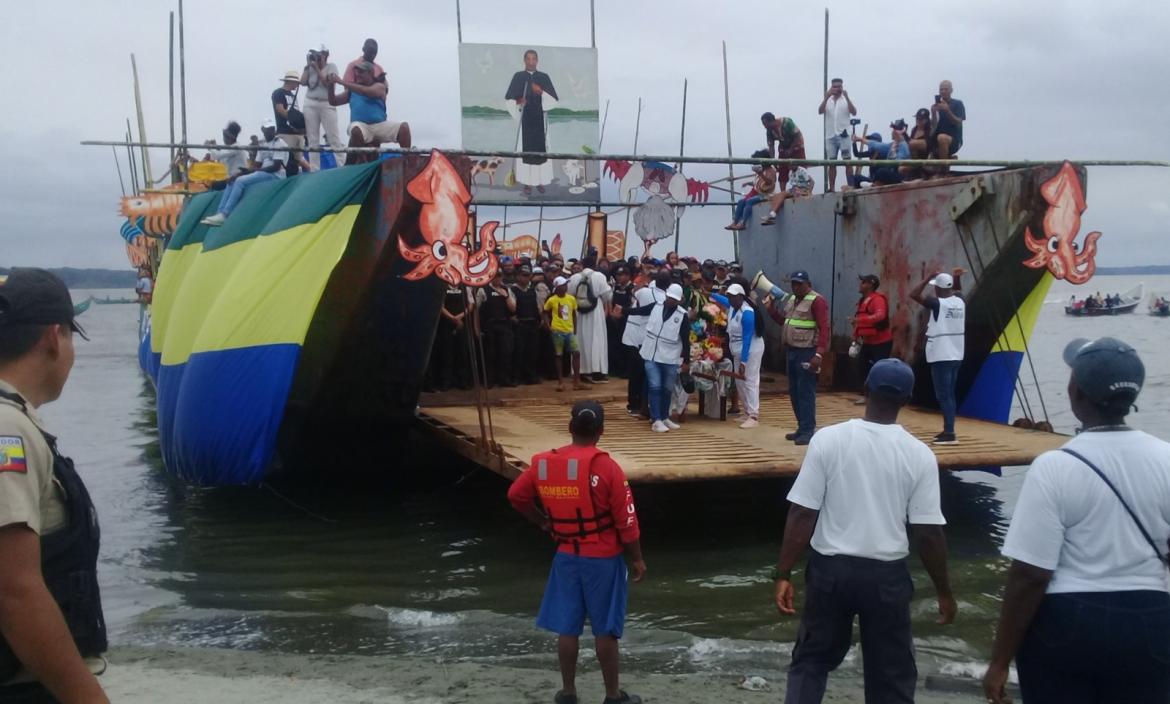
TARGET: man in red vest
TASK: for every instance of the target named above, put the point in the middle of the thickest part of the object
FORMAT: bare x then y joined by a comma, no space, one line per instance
871,325
588,508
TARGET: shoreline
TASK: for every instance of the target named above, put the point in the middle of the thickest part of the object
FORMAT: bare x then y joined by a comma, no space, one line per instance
185,675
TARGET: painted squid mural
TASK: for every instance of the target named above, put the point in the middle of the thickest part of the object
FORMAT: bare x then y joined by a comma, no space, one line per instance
443,224
1058,249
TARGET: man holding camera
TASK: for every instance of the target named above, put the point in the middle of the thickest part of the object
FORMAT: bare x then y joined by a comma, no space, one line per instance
318,112
837,109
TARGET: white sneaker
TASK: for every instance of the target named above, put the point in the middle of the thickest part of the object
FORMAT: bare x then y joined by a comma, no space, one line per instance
671,424
659,427
749,423
213,220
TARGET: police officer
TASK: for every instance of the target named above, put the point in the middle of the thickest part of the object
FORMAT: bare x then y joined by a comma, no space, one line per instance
526,356
497,305
48,527
623,300
450,365
804,314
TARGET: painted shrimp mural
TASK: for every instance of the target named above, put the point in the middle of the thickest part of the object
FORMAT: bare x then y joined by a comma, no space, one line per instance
1058,249
157,213
528,246
443,223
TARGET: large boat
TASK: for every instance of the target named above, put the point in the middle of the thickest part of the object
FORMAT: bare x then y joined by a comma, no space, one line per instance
1125,303
297,335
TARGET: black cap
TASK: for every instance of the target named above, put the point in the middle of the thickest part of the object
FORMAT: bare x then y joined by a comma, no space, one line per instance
922,112
721,264
799,275
588,418
872,278
899,125
1106,370
36,297
735,266
524,269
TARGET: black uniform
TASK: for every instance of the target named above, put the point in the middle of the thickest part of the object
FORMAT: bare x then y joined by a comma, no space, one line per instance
526,357
495,321
450,360
618,361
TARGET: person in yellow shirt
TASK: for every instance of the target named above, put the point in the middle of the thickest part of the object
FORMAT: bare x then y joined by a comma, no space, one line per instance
560,315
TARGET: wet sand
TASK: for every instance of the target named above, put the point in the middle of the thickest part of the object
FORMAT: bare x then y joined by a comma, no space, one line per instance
190,675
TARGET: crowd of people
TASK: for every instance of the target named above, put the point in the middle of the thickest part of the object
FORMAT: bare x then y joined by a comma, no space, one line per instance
674,328
299,124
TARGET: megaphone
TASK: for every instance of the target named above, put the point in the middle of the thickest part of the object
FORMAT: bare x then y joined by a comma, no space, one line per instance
765,287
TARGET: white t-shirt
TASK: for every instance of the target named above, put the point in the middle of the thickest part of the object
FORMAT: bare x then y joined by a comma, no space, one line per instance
233,159
1068,520
837,116
867,480
267,155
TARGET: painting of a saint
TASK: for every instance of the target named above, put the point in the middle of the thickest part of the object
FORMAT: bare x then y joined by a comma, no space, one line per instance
530,96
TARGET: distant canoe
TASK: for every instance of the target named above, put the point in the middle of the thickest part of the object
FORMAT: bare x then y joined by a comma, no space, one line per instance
1160,305
80,308
1129,303
107,300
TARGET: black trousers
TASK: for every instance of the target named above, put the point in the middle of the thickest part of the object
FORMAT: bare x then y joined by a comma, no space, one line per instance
1098,647
499,342
31,693
871,355
878,593
618,364
526,355
636,387
450,360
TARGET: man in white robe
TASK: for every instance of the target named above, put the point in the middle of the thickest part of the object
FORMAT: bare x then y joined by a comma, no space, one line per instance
592,335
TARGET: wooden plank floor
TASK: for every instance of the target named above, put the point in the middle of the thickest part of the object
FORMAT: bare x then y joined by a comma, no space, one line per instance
533,419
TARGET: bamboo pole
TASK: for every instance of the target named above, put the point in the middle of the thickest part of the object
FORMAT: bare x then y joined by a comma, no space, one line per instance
130,157
458,22
183,87
605,119
730,168
118,165
682,140
171,91
744,161
592,25
146,174
825,118
637,128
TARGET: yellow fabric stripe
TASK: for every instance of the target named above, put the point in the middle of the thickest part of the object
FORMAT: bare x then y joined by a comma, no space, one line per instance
1013,338
175,266
259,291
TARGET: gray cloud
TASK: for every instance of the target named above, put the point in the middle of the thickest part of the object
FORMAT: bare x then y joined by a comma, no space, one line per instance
1041,80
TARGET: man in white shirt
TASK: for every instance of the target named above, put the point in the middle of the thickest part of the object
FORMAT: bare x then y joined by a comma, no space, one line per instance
269,167
319,114
637,403
945,342
1086,611
837,109
861,482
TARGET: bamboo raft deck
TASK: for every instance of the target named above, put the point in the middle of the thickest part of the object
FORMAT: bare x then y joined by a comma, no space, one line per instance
532,419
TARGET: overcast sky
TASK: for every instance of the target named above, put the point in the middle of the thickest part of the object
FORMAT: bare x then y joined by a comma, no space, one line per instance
1040,80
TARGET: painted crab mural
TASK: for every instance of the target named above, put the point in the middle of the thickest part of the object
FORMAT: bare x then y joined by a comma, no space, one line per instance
656,178
1058,249
443,223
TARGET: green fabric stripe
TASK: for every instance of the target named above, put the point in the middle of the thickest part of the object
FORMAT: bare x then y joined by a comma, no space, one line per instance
284,204
189,230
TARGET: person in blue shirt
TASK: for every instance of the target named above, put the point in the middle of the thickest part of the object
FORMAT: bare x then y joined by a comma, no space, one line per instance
366,97
745,336
896,148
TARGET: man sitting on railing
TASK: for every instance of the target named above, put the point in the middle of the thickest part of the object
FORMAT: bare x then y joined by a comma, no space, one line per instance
366,97
270,160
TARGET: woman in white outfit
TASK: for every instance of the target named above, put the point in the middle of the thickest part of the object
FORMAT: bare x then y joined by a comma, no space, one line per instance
745,333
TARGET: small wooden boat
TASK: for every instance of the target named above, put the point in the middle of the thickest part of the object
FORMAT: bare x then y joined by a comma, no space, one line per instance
1160,305
79,308
107,300
1129,303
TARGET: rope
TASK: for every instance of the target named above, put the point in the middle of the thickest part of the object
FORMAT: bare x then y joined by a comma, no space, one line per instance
1017,385
302,509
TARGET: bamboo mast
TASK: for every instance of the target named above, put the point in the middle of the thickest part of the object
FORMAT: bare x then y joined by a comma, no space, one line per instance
730,168
171,93
130,158
825,118
682,140
637,128
147,176
183,88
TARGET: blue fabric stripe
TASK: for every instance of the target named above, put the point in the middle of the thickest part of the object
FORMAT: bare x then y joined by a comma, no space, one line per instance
990,395
219,413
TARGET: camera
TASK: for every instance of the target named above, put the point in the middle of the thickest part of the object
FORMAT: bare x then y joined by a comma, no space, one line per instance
855,121
312,56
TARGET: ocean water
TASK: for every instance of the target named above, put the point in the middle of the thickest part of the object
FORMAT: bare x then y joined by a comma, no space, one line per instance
440,565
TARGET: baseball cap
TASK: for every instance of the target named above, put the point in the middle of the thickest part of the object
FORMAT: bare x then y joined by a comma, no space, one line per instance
36,297
524,269
735,290
1107,370
874,136
735,266
899,125
588,417
537,270
922,112
560,281
892,377
721,264
799,275
675,291
871,278
942,281
268,122
505,259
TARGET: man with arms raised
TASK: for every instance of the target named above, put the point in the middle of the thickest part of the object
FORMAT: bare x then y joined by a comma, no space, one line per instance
366,96
861,482
585,503
49,535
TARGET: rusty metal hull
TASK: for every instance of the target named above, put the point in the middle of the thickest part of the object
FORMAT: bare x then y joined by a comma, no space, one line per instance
904,234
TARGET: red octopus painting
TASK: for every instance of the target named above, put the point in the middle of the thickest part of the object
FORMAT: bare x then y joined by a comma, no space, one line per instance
1058,249
443,223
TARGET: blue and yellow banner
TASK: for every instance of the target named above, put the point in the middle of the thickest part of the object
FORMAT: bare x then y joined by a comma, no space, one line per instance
232,306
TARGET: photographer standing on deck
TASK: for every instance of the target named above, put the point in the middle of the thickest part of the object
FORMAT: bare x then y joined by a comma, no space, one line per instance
861,482
588,508
52,632
318,112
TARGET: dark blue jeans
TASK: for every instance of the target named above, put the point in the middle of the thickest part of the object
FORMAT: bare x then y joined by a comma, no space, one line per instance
802,389
660,379
1098,647
945,376
878,594
743,208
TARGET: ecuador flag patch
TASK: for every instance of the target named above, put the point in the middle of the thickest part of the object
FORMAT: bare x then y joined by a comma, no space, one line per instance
12,454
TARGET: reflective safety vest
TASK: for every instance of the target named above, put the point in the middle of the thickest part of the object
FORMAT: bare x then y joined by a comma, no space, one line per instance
800,326
564,484
635,330
663,341
945,334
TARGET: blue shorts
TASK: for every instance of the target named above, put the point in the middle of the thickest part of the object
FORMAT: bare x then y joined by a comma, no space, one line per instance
585,585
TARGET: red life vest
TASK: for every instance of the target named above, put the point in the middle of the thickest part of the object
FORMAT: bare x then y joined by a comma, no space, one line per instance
564,483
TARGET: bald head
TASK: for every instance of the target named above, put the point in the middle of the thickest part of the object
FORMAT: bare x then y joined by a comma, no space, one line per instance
945,89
